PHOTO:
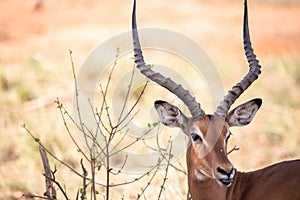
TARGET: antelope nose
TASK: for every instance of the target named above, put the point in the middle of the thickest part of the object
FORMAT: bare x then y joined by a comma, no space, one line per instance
227,176
225,172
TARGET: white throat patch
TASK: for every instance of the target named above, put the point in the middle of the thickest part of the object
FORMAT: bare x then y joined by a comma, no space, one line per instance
199,175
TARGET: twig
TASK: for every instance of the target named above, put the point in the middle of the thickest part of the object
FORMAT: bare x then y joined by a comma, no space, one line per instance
104,92
149,182
119,129
77,195
93,188
127,94
134,105
131,143
50,190
233,149
138,178
162,187
83,191
55,157
121,168
117,144
76,88
167,159
63,112
32,196
59,186
111,72
107,173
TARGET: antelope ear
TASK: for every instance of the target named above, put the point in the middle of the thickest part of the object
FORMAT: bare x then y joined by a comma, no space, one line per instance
170,115
243,114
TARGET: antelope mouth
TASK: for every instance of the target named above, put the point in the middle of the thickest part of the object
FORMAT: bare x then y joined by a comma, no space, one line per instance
226,182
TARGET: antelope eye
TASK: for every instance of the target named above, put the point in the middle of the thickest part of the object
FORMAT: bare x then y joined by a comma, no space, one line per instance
227,138
196,137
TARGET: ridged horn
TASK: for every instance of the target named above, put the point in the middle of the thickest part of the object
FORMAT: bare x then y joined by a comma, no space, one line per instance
177,89
252,75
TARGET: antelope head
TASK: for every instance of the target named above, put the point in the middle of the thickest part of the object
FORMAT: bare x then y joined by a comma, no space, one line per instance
208,134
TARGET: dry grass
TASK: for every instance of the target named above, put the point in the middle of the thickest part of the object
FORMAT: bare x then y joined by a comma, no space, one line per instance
35,69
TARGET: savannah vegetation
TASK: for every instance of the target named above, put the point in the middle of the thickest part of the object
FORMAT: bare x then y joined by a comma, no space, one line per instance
35,71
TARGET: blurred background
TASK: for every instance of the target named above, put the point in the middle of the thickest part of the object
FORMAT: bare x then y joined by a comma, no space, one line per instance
35,69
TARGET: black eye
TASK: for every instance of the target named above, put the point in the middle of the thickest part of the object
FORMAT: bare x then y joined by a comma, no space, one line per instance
196,137
226,140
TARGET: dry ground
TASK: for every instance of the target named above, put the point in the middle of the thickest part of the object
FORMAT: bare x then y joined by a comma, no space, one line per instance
35,69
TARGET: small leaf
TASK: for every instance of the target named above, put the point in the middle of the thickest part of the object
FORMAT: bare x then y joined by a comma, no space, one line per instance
37,140
154,124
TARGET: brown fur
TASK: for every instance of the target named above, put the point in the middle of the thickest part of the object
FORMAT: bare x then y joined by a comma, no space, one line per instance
277,182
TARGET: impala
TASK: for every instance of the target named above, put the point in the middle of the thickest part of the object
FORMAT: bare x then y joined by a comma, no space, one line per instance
210,173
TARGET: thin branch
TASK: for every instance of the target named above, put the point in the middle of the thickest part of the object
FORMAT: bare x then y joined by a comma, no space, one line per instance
98,125
50,190
127,94
104,105
233,149
77,195
104,92
55,157
76,89
100,122
148,183
159,150
94,136
93,188
106,108
138,178
32,196
63,111
117,144
94,140
162,187
130,144
126,124
83,191
122,167
63,191
135,103
107,173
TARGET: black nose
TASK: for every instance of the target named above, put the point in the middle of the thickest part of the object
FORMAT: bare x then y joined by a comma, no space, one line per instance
226,181
225,172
